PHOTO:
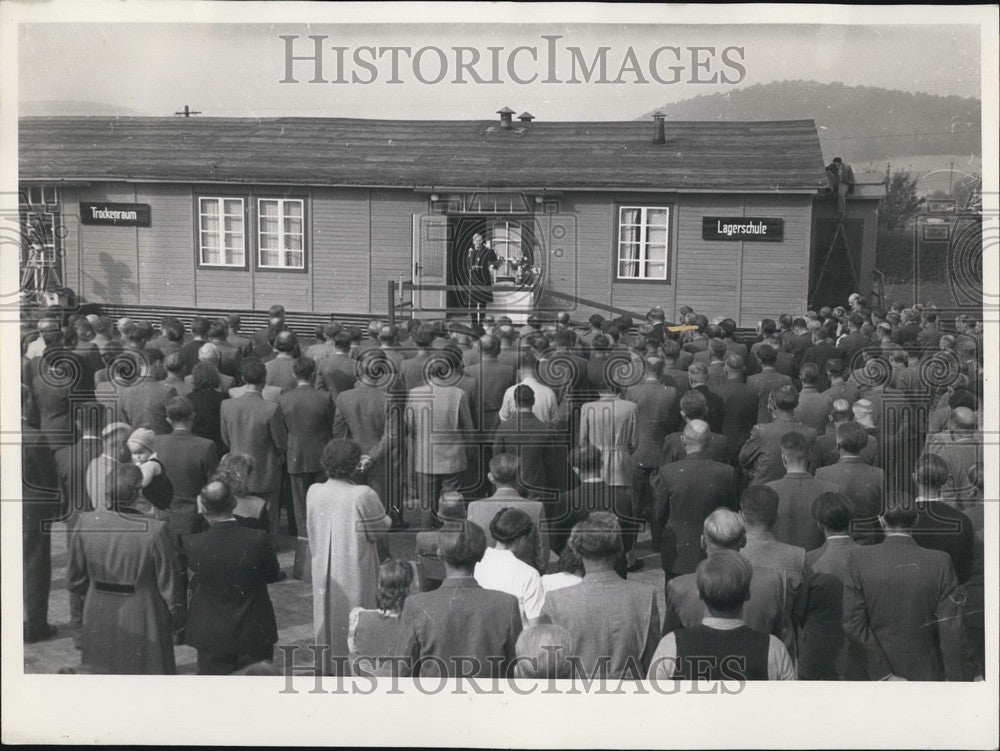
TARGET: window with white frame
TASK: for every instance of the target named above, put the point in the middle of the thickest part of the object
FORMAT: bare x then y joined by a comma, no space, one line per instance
222,239
281,233
642,242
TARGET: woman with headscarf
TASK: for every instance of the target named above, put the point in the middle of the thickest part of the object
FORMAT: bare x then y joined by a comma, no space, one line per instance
344,520
156,491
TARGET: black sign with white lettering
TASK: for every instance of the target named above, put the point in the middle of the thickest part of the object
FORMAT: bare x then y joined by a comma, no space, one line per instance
751,229
115,214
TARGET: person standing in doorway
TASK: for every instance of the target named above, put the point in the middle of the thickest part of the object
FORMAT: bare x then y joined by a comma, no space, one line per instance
479,260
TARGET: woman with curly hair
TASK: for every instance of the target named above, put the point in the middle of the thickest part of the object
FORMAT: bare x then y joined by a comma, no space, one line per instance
344,520
206,398
375,636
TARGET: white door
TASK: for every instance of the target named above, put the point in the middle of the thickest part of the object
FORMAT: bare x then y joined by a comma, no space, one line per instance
430,253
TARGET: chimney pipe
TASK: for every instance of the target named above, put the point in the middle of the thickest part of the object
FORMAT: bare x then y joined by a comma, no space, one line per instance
525,117
659,136
506,115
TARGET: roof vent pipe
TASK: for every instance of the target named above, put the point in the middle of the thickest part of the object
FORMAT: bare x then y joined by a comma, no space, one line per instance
659,135
506,115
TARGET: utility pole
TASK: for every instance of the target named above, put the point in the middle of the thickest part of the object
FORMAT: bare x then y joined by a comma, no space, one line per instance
951,176
187,112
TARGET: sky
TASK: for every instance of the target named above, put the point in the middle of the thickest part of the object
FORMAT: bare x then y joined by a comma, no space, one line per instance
236,69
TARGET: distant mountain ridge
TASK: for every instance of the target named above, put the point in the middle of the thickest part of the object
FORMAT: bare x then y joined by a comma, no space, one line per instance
855,122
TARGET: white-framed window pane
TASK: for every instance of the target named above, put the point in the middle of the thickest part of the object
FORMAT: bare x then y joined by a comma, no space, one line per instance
281,233
656,217
643,237
220,231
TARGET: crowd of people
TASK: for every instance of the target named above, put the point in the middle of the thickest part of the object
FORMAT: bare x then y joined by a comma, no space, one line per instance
814,493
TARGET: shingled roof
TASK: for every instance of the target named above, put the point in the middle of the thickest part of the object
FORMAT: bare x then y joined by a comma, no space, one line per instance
467,154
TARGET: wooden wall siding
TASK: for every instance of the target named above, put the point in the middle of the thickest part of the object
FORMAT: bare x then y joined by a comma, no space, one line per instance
166,249
71,242
775,275
639,297
391,241
341,247
109,257
707,276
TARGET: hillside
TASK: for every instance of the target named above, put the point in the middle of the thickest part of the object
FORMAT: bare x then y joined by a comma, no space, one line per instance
858,123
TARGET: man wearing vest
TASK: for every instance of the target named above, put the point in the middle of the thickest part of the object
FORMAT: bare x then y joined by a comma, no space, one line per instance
722,647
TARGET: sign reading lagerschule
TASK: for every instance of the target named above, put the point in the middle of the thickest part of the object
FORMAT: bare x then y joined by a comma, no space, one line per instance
748,228
115,214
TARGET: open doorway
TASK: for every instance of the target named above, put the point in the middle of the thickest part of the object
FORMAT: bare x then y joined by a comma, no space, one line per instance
512,239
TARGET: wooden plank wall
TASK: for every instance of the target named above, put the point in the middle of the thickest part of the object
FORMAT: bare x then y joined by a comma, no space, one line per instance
360,239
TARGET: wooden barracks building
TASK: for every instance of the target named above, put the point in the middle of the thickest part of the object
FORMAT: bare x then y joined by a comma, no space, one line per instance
203,214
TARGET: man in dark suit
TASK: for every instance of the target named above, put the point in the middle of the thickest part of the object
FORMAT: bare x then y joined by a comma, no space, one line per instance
279,370
797,491
693,407
235,339
814,407
492,379
941,526
412,369
574,505
800,340
724,530
57,378
766,381
902,604
760,456
821,351
826,451
565,371
542,466
370,415
658,415
461,628
188,461
613,621
308,415
230,618
716,414
255,427
230,356
862,483
853,343
685,492
143,403
336,373
199,336
824,651
39,508
740,407
673,374
262,340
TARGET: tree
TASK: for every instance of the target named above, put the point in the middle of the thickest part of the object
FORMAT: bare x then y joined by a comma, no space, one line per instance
901,203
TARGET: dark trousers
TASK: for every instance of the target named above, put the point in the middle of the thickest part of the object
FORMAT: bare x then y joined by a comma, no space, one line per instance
429,490
300,486
215,663
642,501
271,498
621,502
36,548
